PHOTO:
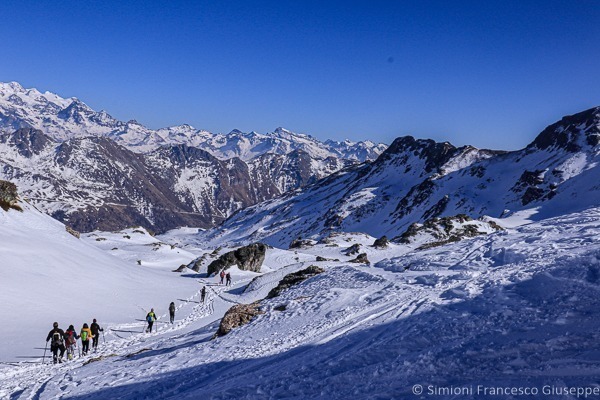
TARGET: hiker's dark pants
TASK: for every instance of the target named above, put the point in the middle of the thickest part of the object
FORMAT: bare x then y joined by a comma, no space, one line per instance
172,317
85,346
54,349
203,299
95,340
150,323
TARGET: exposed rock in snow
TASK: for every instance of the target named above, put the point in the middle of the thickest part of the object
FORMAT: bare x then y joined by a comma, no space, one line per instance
237,316
361,259
381,243
247,258
440,231
293,279
9,196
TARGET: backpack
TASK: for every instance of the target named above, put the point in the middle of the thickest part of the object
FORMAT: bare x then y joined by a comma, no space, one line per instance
71,337
149,318
57,339
84,336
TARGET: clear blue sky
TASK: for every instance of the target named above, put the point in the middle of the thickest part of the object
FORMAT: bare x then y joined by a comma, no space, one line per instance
491,74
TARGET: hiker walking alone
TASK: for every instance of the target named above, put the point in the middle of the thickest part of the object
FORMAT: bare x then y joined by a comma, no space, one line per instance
85,335
150,317
57,336
222,275
71,341
95,328
172,311
203,293
228,279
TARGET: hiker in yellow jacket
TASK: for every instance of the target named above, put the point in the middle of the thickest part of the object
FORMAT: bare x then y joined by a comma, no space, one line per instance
86,335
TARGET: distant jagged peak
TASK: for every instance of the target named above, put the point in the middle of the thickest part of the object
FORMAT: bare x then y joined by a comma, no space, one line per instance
12,86
572,133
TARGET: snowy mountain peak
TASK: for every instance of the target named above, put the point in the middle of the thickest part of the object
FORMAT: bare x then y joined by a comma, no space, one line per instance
572,133
11,86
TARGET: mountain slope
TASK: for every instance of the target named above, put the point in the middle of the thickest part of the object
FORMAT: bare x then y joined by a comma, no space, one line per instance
49,275
414,180
513,309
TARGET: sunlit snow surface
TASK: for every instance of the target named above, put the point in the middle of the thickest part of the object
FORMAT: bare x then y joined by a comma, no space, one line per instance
519,307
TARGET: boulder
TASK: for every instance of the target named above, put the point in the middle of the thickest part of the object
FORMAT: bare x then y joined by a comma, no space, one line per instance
237,316
300,243
181,268
73,231
293,279
9,196
361,259
247,258
381,243
196,264
354,249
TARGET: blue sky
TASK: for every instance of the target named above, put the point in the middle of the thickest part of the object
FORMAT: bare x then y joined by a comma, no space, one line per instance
491,74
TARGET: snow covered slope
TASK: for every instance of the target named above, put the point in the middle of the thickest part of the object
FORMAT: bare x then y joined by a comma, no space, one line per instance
63,119
415,180
519,308
49,275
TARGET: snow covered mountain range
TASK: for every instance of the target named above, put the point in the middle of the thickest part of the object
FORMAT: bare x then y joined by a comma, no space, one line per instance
64,119
92,171
415,180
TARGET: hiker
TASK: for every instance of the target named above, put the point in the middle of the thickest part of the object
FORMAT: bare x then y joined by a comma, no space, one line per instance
203,293
172,311
57,335
150,317
222,275
85,334
95,328
71,341
228,279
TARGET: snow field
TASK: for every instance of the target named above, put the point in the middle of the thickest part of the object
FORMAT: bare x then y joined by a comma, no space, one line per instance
519,307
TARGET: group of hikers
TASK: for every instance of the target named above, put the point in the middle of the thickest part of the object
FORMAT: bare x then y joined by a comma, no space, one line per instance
61,341
151,316
67,341
226,276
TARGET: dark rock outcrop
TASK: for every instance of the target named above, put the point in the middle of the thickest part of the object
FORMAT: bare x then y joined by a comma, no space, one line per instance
293,279
237,316
300,243
196,264
247,258
361,259
381,243
9,196
181,268
354,249
446,230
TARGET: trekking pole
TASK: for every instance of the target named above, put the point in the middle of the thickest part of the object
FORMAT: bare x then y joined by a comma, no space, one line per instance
44,358
103,340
